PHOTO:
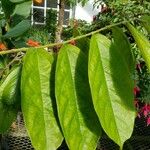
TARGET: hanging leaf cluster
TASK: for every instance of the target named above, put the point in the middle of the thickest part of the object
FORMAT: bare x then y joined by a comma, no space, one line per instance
17,21
75,94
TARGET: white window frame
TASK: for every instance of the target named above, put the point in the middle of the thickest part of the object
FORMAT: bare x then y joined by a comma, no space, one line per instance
45,8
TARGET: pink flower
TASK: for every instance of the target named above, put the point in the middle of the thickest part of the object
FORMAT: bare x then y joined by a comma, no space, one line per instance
145,113
148,121
145,110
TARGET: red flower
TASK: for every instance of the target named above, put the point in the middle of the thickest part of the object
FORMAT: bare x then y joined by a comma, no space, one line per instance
2,47
32,43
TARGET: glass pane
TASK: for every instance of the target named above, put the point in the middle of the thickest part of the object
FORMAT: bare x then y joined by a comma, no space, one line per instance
38,15
52,3
66,18
38,3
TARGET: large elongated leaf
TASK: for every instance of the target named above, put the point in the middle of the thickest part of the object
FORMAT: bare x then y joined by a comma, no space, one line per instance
78,119
112,88
83,43
142,42
18,30
146,22
23,9
9,99
123,45
38,100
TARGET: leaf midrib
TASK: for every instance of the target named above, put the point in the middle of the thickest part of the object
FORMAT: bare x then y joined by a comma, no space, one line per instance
74,92
41,97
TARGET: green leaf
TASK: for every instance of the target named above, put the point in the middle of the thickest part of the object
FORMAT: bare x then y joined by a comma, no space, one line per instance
2,62
9,99
124,46
112,88
146,22
77,117
23,9
83,43
142,42
10,94
38,101
18,30
8,8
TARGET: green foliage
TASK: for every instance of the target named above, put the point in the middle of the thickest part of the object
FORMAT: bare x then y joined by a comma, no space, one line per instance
75,108
14,23
123,44
146,22
92,83
115,12
8,8
38,103
23,9
39,34
87,85
143,82
51,20
111,87
18,30
142,43
9,99
13,9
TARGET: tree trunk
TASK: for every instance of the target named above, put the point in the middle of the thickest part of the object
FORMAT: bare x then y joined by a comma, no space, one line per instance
60,21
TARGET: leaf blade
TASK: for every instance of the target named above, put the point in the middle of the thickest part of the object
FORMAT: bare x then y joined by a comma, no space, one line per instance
18,30
123,45
75,113
9,99
37,100
107,92
142,42
23,9
146,22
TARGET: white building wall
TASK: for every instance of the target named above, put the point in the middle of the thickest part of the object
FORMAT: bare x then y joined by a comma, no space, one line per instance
87,12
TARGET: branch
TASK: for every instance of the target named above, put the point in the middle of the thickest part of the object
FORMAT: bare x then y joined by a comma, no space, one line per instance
65,42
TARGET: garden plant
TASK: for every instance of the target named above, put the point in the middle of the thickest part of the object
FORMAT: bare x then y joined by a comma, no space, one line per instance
77,92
